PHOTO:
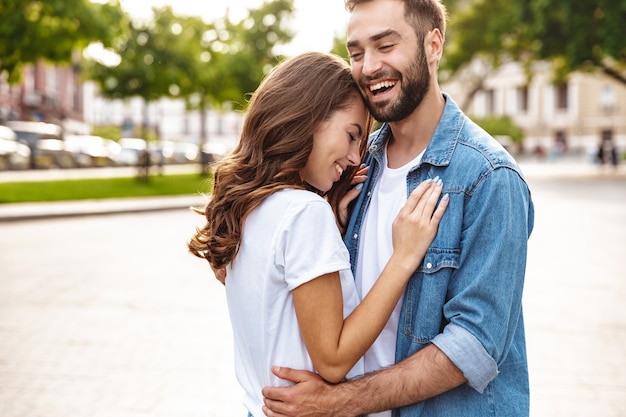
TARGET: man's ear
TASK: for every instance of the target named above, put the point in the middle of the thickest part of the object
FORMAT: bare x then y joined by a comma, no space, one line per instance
433,44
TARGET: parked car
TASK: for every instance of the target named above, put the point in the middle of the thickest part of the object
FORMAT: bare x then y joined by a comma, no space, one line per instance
92,151
216,150
186,153
45,140
162,152
170,152
131,150
13,154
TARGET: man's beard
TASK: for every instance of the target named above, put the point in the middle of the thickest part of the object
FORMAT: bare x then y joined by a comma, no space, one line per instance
415,86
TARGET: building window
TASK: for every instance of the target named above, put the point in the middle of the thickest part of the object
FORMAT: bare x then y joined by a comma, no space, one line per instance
607,99
52,81
561,98
522,99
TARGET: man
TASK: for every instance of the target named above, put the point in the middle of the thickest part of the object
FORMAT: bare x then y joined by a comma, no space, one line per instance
457,338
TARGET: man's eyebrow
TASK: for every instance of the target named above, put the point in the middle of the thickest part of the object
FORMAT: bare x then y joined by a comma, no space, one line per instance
376,37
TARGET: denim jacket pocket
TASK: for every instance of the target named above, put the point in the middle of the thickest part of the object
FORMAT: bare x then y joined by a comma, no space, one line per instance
437,259
422,312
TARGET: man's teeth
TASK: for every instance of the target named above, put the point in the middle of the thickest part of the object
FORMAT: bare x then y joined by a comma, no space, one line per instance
382,84
339,169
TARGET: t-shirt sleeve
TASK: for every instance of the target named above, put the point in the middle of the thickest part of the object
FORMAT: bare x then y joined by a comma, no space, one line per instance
309,244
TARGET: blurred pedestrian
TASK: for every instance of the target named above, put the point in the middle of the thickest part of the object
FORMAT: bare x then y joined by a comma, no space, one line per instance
607,152
143,165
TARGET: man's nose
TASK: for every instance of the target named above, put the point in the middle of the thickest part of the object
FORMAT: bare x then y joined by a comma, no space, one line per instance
371,63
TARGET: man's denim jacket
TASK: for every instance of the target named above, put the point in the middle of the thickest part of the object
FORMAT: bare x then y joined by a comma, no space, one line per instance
466,296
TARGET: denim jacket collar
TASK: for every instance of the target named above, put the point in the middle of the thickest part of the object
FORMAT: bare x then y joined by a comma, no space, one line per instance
441,147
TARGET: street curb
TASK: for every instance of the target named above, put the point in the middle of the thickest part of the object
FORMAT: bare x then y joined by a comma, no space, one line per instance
50,210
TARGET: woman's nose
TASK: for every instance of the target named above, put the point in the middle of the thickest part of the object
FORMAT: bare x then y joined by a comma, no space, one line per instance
354,158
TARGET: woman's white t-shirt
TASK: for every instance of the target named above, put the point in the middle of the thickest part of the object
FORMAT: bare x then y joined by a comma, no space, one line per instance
290,239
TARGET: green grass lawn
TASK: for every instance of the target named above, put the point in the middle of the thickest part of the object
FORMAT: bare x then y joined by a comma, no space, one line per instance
84,189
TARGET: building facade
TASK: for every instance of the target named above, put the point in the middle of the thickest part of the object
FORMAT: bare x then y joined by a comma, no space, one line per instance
581,115
48,93
575,116
167,119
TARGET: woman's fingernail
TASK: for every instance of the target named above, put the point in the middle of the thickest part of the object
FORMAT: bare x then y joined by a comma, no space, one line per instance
446,197
436,178
428,181
439,182
359,186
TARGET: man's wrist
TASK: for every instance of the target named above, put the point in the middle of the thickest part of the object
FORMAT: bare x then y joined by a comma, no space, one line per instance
352,398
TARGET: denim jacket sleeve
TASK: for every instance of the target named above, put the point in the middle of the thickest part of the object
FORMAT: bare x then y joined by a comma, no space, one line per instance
483,304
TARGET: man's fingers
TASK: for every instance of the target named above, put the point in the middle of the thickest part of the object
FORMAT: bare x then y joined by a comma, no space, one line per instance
293,375
270,409
279,401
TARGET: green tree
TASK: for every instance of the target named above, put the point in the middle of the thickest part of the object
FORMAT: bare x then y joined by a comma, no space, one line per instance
32,30
227,60
207,64
580,35
248,49
150,65
481,36
339,46
501,126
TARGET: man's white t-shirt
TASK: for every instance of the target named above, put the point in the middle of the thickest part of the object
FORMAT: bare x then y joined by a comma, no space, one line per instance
388,197
290,239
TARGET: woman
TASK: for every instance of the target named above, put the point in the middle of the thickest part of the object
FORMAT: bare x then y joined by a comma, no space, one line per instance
270,223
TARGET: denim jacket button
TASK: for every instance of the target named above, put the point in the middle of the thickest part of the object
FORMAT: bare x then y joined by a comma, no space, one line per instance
355,236
373,148
429,265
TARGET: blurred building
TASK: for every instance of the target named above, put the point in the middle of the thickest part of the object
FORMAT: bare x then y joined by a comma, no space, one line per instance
576,116
579,115
167,119
49,93
58,94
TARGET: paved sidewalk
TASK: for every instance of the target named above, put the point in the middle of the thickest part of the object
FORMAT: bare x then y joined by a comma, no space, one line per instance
111,316
37,211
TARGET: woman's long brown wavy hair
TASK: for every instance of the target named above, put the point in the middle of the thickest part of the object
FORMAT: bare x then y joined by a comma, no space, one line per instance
276,139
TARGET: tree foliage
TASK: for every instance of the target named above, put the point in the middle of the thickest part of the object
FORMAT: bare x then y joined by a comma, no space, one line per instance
501,126
339,47
208,64
52,29
249,51
580,35
150,63
205,63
